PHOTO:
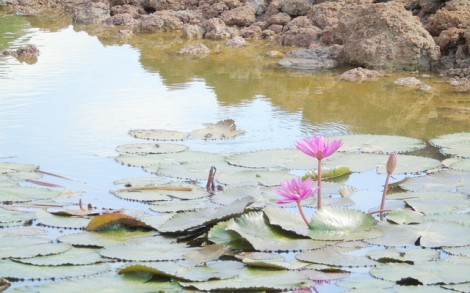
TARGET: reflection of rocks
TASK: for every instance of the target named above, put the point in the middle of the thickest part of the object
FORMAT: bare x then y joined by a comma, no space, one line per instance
462,85
310,59
408,81
27,53
197,50
236,42
360,74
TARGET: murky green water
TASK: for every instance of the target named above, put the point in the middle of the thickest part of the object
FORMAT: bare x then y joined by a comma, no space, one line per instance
69,111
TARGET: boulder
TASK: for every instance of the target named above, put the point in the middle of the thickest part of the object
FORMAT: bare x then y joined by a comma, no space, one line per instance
215,29
386,35
157,5
125,19
133,10
241,16
161,21
192,31
300,32
258,5
251,32
360,74
279,18
27,53
236,42
91,13
445,19
296,7
310,59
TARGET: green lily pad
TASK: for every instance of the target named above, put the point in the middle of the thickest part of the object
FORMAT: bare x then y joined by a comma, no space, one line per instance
14,270
10,167
151,148
263,177
19,193
281,158
440,206
185,221
187,157
254,228
410,256
335,257
379,144
405,217
447,180
456,144
465,287
103,283
155,221
102,239
20,231
141,181
428,234
427,273
426,195
255,279
177,206
421,289
365,283
457,164
333,223
270,260
462,251
158,134
221,130
220,235
73,256
286,220
146,249
14,218
206,254
460,218
143,195
163,192
48,219
28,246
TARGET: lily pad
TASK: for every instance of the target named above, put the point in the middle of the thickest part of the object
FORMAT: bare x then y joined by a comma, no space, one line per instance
102,239
254,228
19,193
286,220
280,158
14,218
177,206
335,257
48,219
333,223
163,192
440,206
379,144
14,270
73,256
270,260
447,180
28,246
141,181
460,218
426,273
221,130
187,157
106,221
405,217
428,234
151,148
463,251
185,221
256,279
456,144
426,195
410,256
220,235
206,254
158,134
365,283
262,177
457,164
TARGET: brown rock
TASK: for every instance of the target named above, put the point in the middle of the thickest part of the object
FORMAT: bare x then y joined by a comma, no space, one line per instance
161,21
133,10
251,32
445,19
158,5
360,74
280,18
125,19
236,42
386,35
215,29
91,13
241,16
300,32
191,31
296,7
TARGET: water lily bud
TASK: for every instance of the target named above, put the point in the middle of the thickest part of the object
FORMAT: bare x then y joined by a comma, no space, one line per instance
391,163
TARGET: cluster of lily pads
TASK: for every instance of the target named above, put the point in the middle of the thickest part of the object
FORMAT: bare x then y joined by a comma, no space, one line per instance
213,222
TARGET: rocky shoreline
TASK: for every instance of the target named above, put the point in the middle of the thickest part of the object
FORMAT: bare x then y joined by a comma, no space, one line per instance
409,35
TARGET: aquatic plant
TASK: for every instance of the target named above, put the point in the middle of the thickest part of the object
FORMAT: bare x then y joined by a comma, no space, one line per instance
319,148
390,167
295,191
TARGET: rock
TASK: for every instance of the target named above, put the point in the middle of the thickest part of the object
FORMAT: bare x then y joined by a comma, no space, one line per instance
457,72
445,19
215,29
251,32
27,53
121,19
407,81
296,7
133,10
241,16
236,42
310,59
360,74
258,5
91,13
300,32
462,85
161,21
386,35
196,50
212,9
158,5
191,31
280,18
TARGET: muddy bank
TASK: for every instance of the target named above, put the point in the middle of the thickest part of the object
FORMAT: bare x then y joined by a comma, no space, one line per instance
392,35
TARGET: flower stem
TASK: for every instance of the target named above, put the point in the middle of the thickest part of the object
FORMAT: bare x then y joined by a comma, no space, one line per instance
382,204
319,205
302,212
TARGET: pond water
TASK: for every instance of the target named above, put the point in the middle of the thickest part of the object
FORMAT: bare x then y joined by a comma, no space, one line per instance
69,111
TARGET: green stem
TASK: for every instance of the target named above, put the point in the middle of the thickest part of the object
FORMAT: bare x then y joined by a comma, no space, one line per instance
302,212
319,204
384,194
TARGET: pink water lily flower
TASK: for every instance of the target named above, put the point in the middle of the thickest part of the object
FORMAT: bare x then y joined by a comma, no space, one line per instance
296,190
318,147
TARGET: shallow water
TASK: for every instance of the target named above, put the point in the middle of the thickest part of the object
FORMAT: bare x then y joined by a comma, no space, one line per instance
69,111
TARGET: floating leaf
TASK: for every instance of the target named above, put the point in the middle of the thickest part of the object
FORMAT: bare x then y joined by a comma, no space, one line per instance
286,220
262,177
405,217
365,283
426,195
428,234
283,158
220,235
329,173
325,276
14,270
19,193
106,221
142,195
186,221
269,260
187,157
457,164
457,144
221,130
48,219
177,206
410,256
206,254
447,180
463,251
14,218
379,144
440,206
22,232
346,191
334,257
25,246
101,239
141,181
460,218
155,221
426,273
150,148
73,256
254,228
407,164
10,167
256,279
332,223
158,134
146,249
